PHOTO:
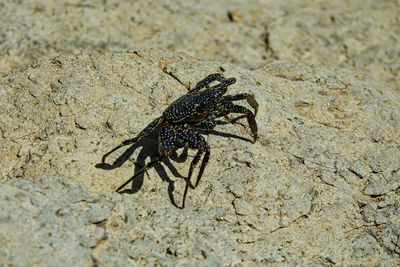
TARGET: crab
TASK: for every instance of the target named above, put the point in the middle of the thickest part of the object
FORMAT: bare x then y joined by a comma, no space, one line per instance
180,122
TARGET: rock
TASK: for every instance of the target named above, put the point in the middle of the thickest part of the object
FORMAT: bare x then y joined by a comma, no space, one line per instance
362,36
40,223
340,34
318,187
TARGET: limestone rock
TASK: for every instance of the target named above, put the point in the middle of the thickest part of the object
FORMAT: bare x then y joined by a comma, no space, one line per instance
360,35
320,187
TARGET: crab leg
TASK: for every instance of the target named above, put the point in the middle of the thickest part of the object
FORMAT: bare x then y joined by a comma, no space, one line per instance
166,139
207,80
228,107
249,98
250,118
146,131
145,168
191,139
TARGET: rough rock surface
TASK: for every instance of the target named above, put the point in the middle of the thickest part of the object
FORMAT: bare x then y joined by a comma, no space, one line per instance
320,187
359,34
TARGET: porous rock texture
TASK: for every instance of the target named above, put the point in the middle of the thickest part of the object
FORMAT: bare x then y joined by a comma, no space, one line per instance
321,186
358,34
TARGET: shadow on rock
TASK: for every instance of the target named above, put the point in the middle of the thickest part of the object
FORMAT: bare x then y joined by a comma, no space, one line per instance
150,149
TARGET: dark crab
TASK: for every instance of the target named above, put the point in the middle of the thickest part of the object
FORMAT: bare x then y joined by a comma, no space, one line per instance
179,123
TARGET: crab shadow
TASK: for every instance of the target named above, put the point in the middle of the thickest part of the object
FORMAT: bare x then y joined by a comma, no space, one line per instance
150,150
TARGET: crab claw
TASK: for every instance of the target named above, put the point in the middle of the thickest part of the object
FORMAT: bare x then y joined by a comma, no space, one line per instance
228,81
